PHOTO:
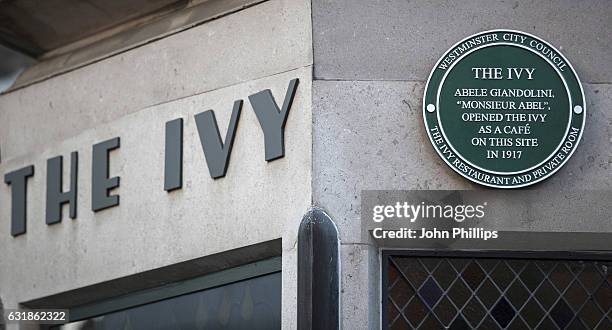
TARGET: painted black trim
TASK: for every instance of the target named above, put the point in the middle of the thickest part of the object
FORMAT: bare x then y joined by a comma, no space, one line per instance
496,254
171,290
1,313
384,284
318,273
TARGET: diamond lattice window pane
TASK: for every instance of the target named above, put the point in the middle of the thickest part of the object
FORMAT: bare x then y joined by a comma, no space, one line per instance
469,293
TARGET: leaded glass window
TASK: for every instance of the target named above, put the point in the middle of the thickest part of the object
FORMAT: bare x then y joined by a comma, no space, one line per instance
488,293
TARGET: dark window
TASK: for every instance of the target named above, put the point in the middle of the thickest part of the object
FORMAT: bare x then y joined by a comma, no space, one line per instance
487,293
253,302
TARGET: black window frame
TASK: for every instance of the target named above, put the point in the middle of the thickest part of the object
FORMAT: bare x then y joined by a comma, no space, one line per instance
179,288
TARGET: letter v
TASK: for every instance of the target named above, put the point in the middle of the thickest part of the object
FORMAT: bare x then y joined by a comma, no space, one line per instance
217,152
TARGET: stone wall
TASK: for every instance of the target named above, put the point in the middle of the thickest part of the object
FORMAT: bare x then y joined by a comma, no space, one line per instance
132,95
371,62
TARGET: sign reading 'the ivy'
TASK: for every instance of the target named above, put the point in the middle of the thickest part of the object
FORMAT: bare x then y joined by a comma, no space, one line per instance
504,109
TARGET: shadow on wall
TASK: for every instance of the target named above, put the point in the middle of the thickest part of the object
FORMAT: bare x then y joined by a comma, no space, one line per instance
12,63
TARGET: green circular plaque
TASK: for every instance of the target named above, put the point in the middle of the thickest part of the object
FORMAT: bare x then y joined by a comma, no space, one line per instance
504,109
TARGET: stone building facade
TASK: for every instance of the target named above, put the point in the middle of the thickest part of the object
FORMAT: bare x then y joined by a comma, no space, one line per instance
354,124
